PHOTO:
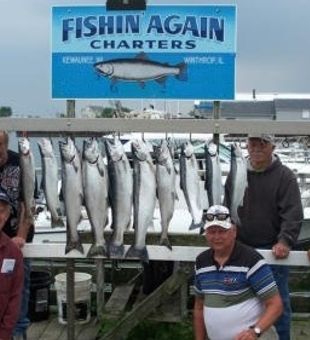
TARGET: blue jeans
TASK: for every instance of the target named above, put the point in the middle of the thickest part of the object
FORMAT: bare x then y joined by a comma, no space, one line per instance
23,321
283,325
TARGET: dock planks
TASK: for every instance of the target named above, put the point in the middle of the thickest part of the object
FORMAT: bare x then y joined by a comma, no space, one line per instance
51,329
118,300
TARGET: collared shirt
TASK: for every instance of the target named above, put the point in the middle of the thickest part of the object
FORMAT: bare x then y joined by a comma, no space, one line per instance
233,293
11,284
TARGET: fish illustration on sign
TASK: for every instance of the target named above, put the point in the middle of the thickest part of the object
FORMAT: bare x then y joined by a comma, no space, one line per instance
140,70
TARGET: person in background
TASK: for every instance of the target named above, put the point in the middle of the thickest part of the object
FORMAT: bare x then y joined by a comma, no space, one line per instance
11,274
271,213
236,295
309,254
17,227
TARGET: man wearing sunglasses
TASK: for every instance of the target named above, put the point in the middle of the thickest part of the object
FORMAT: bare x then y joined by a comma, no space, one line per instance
236,295
271,213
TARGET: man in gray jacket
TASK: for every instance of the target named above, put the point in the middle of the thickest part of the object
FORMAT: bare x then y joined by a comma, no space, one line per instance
271,214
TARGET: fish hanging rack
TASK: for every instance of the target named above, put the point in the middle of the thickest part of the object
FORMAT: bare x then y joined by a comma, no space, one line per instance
57,127
81,127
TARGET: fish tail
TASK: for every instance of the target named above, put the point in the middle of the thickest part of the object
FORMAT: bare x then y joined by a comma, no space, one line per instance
57,222
116,250
196,225
59,212
164,241
142,254
77,245
182,72
97,250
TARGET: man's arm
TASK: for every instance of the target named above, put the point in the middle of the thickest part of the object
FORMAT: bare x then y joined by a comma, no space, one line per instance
290,212
273,309
198,320
23,226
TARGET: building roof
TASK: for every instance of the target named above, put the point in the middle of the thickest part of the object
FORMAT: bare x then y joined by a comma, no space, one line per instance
253,108
292,104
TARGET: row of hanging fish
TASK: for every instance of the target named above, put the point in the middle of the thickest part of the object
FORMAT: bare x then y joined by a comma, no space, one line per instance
100,182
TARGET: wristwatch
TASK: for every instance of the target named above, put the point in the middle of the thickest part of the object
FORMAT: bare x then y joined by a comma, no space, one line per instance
257,330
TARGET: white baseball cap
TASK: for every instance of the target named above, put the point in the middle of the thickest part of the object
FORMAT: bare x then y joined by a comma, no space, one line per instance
217,215
266,137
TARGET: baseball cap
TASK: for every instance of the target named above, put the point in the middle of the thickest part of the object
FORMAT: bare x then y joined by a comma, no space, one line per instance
4,196
266,137
217,215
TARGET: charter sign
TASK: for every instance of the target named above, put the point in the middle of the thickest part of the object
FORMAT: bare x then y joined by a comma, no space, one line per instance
168,52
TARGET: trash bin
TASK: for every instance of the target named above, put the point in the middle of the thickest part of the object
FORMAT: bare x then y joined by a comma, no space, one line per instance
39,298
82,297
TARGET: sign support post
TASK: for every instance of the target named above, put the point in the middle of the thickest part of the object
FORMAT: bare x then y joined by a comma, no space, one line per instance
70,264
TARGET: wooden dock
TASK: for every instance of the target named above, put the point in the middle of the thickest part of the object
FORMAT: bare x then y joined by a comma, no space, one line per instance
51,329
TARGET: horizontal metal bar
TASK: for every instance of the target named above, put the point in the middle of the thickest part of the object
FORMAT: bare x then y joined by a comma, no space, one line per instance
59,126
159,253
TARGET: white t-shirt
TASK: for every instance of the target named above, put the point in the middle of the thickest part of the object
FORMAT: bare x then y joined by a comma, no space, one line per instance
224,323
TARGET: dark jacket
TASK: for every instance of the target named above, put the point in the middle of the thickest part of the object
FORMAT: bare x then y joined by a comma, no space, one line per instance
272,209
10,181
11,284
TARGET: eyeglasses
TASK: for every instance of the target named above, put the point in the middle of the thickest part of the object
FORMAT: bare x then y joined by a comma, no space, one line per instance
219,217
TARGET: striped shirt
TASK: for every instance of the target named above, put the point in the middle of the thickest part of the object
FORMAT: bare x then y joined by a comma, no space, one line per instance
233,294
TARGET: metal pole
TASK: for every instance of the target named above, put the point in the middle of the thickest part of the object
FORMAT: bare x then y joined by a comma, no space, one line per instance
100,287
70,300
70,264
71,108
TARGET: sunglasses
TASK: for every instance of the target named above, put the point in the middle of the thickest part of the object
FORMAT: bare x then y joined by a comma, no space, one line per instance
219,217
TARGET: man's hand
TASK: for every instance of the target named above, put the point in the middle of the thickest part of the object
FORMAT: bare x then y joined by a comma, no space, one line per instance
247,334
19,241
280,250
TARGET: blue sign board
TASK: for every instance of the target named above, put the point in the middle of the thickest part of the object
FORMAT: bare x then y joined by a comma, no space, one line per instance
170,52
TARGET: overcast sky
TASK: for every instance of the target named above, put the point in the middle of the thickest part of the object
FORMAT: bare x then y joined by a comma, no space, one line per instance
273,50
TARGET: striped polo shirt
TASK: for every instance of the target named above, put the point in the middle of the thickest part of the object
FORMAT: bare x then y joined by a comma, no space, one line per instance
233,294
